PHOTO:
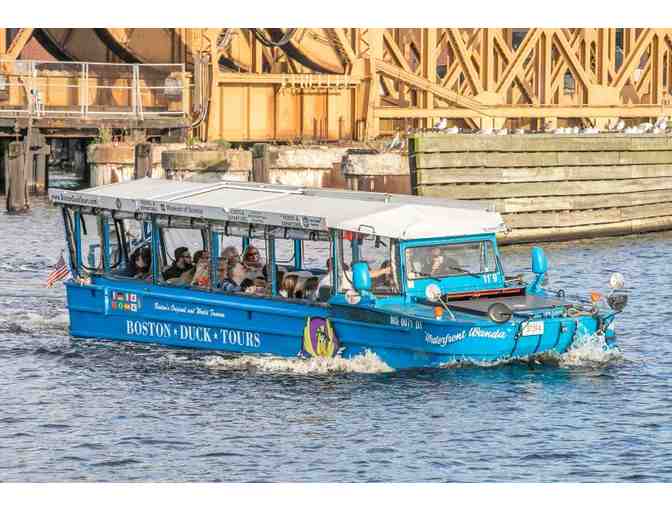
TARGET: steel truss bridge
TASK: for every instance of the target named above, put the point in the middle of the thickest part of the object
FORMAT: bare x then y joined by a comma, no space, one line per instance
329,84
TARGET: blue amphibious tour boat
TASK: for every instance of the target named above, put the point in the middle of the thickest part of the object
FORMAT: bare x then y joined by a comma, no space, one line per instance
418,282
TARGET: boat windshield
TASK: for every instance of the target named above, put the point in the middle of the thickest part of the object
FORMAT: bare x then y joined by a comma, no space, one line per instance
444,260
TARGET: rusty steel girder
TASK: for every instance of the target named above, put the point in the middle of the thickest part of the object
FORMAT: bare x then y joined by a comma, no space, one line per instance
334,83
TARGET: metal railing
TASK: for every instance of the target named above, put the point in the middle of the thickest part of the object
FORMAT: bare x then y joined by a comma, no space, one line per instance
39,89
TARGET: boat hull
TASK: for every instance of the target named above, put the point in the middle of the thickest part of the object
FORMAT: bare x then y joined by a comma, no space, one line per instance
135,311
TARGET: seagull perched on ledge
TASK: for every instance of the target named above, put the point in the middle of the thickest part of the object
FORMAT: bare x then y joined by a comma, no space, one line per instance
442,124
396,143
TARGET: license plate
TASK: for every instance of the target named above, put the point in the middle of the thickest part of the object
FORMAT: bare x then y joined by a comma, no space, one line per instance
533,328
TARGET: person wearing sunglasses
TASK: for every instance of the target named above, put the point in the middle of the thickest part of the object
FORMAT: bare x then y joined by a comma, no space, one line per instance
253,263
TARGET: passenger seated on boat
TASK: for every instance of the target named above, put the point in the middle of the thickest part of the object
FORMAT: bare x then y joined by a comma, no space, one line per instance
262,287
202,270
131,269
229,253
252,262
233,276
288,286
187,276
222,272
181,264
308,289
141,261
247,286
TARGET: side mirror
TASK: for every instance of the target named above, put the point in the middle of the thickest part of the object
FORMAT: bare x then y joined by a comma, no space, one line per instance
539,268
539,261
361,277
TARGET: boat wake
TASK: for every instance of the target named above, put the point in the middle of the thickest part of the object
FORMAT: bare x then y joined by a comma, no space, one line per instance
367,363
22,322
590,350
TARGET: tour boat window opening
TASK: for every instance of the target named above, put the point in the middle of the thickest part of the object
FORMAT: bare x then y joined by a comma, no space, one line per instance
131,256
91,239
379,254
182,250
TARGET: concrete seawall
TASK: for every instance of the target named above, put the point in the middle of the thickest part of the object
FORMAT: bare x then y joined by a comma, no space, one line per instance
110,163
552,187
315,167
207,164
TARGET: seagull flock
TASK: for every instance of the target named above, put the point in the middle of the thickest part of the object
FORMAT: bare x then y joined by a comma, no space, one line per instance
659,127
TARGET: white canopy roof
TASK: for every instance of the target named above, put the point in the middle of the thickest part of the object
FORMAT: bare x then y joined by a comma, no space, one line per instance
396,216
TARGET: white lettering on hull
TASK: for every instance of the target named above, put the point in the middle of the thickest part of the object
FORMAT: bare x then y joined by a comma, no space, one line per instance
201,334
475,332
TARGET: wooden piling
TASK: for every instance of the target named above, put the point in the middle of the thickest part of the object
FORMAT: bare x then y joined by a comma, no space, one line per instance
17,179
77,154
39,151
41,174
3,167
143,160
260,162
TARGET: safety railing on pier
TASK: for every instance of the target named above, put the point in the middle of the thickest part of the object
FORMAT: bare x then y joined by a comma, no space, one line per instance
39,89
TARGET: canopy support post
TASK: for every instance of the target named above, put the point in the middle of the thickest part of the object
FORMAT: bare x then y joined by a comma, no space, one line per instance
78,241
298,254
105,230
155,250
214,257
272,270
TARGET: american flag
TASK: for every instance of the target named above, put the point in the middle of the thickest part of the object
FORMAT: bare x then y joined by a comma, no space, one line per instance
59,272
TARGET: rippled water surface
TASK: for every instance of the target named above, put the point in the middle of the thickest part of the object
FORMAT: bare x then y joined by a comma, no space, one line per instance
84,410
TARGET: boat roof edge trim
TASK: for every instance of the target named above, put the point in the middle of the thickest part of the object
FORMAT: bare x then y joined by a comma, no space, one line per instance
396,216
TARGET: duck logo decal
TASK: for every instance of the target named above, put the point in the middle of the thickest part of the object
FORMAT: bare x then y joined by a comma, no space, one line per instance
319,339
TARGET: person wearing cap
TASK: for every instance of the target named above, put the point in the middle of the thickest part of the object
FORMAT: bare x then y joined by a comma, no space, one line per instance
181,264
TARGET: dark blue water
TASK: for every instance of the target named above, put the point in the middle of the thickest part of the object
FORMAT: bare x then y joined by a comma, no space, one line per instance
84,410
